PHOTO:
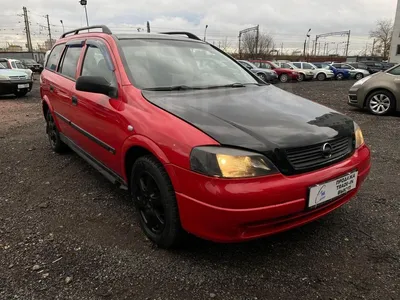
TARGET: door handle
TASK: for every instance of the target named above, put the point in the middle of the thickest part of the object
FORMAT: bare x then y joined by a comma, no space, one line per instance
51,88
74,100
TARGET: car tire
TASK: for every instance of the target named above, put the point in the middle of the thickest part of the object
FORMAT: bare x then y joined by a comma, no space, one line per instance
359,76
339,76
381,102
263,77
21,93
321,76
154,198
284,78
301,77
56,144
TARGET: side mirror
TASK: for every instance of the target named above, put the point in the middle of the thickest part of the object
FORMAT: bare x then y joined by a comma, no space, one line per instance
312,68
96,84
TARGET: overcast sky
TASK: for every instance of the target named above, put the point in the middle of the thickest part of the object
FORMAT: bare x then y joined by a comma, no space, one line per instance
286,20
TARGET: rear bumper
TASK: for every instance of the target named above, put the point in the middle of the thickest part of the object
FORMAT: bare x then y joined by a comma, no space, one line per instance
11,87
355,98
239,210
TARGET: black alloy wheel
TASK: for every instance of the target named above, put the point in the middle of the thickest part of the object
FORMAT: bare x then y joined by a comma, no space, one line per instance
154,198
148,201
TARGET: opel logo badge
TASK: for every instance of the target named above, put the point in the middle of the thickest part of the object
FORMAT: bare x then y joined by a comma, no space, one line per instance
327,150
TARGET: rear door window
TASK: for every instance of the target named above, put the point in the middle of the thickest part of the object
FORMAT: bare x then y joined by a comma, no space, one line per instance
70,61
54,57
298,65
307,66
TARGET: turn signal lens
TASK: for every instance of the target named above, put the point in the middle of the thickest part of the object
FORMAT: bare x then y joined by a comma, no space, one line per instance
359,136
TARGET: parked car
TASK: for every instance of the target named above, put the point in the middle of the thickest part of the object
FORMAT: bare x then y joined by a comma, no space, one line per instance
319,74
14,82
387,65
15,64
373,66
379,93
358,65
32,65
303,73
264,74
354,72
284,74
221,155
340,74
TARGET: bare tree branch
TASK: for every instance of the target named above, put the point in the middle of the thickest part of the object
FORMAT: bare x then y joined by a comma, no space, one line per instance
225,45
383,35
251,47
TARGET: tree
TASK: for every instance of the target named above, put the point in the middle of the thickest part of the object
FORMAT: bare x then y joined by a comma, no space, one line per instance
383,34
225,45
251,46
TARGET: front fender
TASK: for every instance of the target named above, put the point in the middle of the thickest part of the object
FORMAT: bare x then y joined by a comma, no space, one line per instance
138,140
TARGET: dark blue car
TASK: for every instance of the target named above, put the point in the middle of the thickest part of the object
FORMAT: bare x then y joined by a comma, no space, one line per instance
340,74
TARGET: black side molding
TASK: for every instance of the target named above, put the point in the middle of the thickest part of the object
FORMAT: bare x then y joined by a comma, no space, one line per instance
105,171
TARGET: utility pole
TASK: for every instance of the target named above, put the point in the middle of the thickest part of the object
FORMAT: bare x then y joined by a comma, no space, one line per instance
48,27
319,47
27,30
312,49
281,48
348,43
148,26
257,37
373,48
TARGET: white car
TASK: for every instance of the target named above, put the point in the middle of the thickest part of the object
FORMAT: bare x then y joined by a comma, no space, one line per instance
303,73
354,73
319,74
15,64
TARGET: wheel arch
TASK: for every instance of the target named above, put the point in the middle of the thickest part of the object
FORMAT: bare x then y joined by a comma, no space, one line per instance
137,146
381,89
46,106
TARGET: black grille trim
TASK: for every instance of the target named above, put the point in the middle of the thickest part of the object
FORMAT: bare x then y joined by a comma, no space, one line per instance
309,158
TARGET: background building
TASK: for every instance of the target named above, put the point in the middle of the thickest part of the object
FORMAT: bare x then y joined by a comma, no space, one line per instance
395,47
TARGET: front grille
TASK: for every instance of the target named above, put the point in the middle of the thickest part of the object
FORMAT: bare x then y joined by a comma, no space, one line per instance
312,157
18,77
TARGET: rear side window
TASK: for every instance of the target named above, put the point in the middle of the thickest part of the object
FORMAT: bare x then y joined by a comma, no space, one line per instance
54,57
70,61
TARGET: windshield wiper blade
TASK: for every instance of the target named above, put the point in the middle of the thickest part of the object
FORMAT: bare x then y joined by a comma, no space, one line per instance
171,88
231,85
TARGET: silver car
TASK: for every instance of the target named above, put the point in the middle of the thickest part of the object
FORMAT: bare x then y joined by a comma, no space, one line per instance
379,93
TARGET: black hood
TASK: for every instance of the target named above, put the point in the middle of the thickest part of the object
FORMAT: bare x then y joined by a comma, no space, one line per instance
260,118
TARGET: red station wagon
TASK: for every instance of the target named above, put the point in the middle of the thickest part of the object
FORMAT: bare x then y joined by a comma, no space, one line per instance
284,74
215,151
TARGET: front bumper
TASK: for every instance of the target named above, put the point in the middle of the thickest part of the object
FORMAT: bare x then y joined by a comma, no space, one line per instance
354,98
11,87
223,210
329,75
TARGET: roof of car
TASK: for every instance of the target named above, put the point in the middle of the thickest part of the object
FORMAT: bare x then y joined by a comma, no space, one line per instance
153,36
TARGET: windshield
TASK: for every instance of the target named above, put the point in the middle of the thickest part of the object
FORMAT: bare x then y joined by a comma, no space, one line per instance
324,66
273,64
156,63
312,65
4,64
20,65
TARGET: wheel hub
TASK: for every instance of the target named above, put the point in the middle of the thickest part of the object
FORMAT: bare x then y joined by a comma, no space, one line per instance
380,103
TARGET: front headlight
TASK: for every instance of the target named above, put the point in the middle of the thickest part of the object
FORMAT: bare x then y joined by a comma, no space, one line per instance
229,163
359,135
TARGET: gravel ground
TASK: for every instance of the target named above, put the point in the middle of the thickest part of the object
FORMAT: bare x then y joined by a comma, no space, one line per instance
67,233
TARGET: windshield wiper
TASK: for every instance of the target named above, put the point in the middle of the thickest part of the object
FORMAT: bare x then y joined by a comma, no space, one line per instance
171,88
186,88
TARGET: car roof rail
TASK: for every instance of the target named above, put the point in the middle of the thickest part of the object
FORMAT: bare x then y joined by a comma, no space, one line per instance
76,31
188,34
